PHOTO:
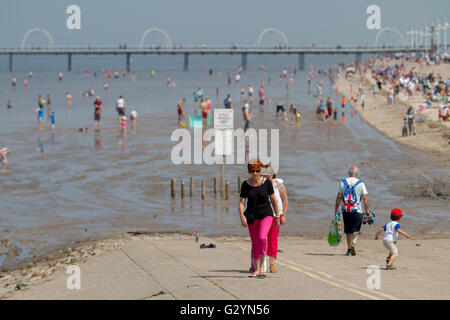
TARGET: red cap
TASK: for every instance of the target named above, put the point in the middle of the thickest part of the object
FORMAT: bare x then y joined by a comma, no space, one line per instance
396,213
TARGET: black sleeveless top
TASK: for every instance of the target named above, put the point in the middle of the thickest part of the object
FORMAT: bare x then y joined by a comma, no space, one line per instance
258,201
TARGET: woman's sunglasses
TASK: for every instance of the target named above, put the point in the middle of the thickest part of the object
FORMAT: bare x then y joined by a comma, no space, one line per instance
254,171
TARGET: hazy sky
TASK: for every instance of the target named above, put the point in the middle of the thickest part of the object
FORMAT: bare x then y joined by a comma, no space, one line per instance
213,22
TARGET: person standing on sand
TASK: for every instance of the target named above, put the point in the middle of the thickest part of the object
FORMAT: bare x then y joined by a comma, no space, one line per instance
120,108
98,106
53,120
49,106
250,94
246,114
204,108
295,117
69,99
40,115
343,101
261,93
227,102
180,111
351,192
259,194
4,159
411,115
329,107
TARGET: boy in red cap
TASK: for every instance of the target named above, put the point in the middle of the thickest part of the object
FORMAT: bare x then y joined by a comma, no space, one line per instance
391,230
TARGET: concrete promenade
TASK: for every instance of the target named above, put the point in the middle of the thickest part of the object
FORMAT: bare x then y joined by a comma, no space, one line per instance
174,267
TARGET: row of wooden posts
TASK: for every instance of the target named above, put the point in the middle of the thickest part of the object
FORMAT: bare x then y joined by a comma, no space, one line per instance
224,189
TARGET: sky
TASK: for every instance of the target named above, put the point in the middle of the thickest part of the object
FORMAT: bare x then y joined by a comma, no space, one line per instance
213,22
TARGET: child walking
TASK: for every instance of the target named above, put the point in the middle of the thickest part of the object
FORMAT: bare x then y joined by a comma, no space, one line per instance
391,230
52,119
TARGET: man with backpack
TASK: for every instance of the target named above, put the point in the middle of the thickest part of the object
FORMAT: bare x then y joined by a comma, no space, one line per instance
351,192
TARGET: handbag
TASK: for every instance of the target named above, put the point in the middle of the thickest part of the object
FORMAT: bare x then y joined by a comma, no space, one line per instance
250,217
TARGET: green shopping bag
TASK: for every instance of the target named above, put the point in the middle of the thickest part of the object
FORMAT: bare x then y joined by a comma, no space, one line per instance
334,234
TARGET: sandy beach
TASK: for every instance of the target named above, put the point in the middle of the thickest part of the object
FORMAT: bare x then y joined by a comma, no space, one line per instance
432,136
172,266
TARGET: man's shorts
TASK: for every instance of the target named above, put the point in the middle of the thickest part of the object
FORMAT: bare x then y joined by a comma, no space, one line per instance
248,124
390,245
96,116
261,102
120,111
352,222
280,108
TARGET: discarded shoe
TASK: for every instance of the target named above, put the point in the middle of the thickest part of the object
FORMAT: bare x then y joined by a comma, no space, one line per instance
211,245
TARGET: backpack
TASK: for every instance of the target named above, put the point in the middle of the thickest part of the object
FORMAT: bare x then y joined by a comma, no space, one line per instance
226,103
351,202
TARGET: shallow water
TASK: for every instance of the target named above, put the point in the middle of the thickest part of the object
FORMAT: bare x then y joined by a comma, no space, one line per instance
65,186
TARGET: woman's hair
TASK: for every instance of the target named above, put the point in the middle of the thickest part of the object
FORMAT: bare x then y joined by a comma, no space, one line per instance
254,164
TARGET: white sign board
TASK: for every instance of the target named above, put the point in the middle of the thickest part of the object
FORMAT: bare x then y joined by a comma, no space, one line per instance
223,142
223,118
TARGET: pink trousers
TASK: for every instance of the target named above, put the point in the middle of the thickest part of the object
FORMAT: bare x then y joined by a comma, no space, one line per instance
259,231
272,240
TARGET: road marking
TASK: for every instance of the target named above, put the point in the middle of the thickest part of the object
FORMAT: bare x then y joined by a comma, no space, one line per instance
320,276
344,282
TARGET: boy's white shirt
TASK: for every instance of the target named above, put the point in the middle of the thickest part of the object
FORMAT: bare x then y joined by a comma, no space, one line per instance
391,234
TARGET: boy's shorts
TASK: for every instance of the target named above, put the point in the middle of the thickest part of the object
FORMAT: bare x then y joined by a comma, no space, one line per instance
390,245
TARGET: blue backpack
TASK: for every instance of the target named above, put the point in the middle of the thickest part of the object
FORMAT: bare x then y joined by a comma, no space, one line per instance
350,200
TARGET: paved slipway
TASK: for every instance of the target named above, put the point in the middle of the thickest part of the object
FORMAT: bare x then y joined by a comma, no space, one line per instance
172,266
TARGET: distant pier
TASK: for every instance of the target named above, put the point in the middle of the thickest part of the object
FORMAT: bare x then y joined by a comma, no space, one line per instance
301,52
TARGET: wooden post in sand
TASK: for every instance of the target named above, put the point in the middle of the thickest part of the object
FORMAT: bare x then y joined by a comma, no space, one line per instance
239,184
203,190
215,185
191,187
182,189
172,188
227,190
